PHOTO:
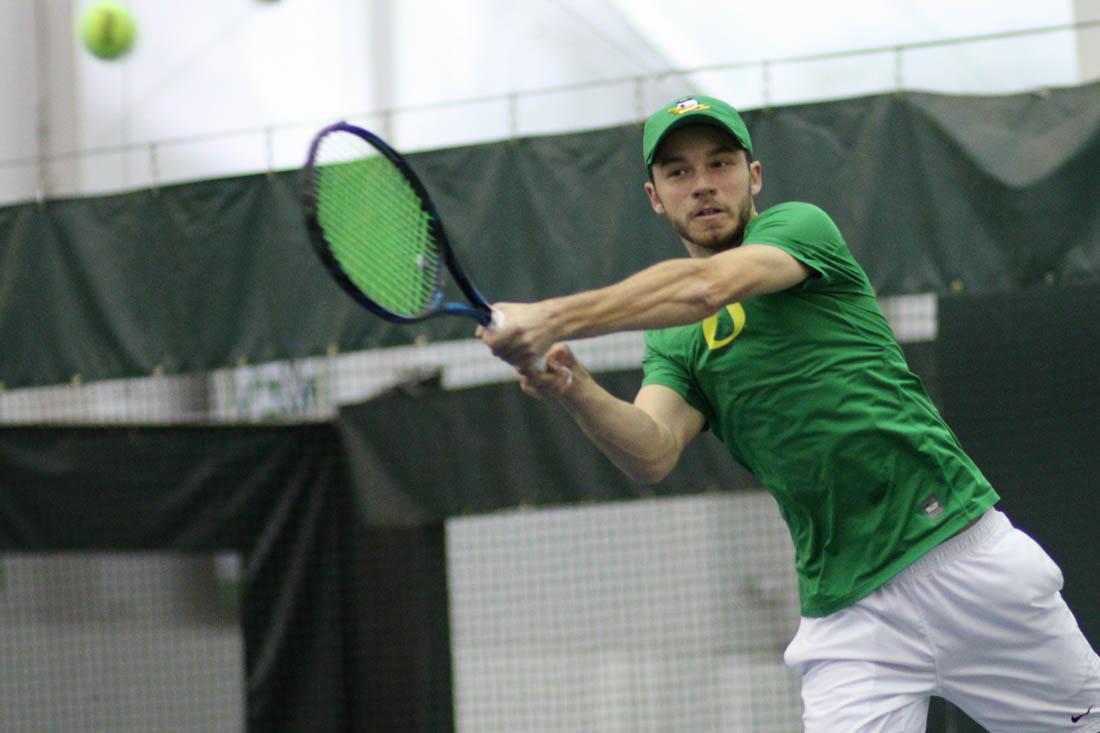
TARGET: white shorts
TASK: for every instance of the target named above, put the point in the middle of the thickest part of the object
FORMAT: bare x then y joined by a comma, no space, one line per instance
979,621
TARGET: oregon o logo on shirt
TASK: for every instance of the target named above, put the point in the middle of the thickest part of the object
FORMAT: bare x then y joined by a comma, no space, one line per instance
735,325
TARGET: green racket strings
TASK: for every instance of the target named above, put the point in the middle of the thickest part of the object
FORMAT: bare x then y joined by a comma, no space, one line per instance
375,225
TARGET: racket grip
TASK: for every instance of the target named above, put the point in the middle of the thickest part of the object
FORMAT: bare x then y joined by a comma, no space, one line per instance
496,320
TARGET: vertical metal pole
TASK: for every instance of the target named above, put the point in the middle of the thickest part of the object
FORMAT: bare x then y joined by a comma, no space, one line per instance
381,62
513,115
766,83
269,144
42,100
1087,40
154,170
387,126
899,71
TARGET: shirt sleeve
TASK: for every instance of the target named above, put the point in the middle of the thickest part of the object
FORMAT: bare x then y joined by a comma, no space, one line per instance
809,235
658,367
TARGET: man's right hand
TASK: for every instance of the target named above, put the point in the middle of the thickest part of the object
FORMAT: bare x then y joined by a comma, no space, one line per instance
522,335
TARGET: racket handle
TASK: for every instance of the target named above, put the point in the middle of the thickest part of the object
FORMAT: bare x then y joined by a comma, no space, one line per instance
496,320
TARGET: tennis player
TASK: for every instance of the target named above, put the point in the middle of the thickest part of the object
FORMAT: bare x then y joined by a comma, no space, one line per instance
911,583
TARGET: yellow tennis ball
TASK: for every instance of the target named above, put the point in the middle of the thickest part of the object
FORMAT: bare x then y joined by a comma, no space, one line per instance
108,29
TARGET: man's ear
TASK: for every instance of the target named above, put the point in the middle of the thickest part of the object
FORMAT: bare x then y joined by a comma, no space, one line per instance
756,177
654,199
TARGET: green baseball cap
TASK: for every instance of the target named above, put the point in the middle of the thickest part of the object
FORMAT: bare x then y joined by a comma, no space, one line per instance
690,111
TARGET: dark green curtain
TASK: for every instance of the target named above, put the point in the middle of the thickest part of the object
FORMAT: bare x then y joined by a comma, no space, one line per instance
1021,375
272,495
933,193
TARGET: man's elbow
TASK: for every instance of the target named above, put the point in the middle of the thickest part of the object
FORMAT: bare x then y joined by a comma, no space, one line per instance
716,288
703,290
650,472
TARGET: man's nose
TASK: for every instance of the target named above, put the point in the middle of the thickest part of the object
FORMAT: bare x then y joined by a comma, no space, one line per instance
703,185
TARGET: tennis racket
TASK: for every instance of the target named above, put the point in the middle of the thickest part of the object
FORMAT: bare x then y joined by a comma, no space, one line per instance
375,228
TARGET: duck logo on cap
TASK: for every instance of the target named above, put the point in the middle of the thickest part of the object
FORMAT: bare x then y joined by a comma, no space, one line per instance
688,104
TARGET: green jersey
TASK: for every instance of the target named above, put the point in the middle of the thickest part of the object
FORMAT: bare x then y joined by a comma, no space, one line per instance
809,390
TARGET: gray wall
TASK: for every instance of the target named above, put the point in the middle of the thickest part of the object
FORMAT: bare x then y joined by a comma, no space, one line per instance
122,643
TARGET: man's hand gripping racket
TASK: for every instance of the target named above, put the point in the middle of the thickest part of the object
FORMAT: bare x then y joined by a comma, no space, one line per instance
375,228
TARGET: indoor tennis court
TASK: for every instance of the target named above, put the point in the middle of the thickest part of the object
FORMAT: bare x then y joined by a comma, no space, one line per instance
232,499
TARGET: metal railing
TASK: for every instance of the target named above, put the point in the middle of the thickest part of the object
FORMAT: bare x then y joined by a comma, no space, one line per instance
153,150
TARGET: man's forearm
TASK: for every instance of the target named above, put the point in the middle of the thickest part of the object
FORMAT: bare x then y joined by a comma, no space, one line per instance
667,294
636,443
675,292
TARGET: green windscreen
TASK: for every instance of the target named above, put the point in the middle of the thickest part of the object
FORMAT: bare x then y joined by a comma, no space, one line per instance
375,225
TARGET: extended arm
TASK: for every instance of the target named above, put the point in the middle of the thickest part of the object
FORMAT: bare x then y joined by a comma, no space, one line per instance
670,293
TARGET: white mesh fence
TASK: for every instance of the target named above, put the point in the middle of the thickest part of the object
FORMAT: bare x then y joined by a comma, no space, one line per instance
645,616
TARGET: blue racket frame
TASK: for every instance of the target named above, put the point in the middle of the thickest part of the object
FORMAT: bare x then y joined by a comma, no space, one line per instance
478,308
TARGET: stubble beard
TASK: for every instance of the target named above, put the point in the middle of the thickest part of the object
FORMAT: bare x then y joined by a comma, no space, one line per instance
719,239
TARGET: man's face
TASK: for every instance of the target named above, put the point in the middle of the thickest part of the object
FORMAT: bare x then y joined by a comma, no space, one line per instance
704,184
